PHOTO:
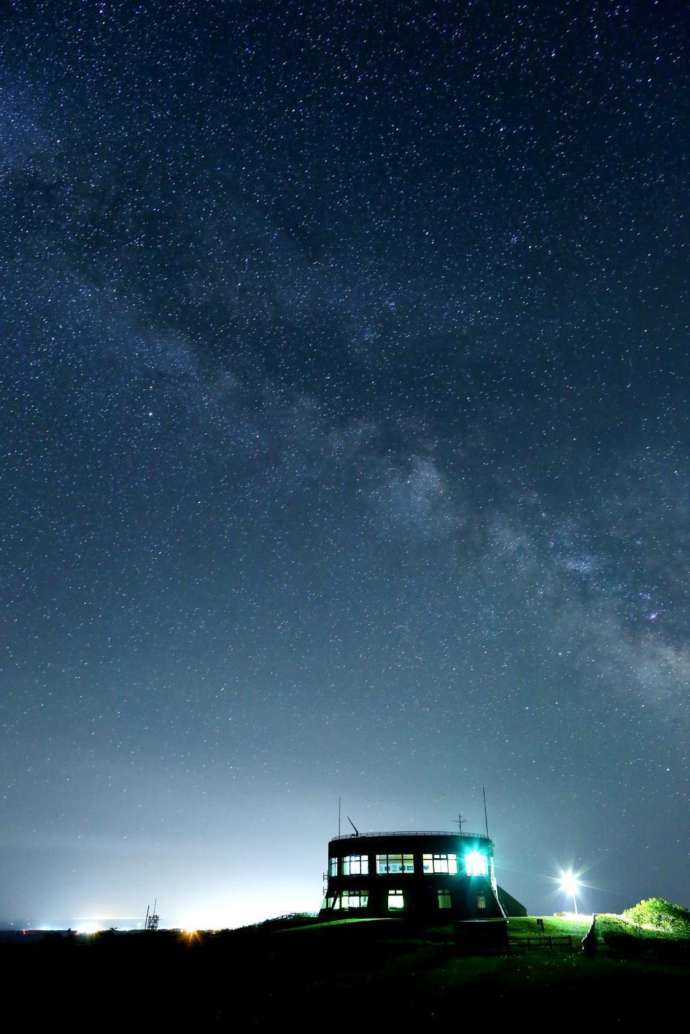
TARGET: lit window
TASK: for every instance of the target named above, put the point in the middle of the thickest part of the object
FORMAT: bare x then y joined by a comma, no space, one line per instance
475,863
355,865
396,900
394,863
444,899
440,863
481,902
354,898
332,866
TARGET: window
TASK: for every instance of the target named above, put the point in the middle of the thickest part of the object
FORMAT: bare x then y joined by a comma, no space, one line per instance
354,898
444,899
475,864
481,902
440,863
394,863
355,865
396,900
332,866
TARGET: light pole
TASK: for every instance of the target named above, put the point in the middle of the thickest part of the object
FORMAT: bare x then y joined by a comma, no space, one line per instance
569,886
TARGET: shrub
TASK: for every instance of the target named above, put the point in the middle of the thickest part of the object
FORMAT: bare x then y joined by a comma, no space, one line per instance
661,914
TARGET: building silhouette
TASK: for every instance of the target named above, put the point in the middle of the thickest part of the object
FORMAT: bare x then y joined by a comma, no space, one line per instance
430,876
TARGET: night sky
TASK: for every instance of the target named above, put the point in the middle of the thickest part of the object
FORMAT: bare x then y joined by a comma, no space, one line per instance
345,446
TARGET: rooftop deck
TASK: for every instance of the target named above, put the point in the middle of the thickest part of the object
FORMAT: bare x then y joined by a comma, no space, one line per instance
412,833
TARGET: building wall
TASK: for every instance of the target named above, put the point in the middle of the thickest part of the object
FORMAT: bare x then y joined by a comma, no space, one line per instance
431,895
510,905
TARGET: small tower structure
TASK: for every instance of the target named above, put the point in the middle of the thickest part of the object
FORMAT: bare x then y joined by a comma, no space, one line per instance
152,918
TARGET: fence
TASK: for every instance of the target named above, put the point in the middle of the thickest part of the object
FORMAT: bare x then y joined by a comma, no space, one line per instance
566,942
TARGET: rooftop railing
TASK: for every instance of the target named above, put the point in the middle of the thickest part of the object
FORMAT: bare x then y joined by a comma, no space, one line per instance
413,833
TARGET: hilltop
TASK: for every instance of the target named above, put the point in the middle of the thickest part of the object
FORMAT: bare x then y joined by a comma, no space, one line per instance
383,970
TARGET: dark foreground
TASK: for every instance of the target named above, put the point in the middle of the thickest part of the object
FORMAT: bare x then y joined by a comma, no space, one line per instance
360,976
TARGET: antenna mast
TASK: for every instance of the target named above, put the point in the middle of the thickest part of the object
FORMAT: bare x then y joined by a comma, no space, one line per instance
486,816
152,917
340,801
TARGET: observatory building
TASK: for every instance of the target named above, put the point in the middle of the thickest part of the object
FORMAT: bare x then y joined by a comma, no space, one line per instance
431,876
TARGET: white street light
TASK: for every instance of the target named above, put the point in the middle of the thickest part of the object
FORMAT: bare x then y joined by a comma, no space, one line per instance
570,886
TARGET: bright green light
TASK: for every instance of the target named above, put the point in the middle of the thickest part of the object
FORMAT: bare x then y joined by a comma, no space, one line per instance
475,864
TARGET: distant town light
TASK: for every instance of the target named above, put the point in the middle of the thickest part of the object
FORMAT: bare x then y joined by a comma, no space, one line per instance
88,927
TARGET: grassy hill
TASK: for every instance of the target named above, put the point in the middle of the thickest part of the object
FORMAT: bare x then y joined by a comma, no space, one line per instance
340,976
607,924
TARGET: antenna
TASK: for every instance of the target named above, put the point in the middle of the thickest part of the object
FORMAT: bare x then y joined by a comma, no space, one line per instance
460,820
486,816
353,825
340,801
152,917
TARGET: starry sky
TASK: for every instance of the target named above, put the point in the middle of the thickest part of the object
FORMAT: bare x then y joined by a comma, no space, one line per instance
345,446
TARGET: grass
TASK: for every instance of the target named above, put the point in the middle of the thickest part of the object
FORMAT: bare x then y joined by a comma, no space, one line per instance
577,926
341,976
335,923
611,923
523,927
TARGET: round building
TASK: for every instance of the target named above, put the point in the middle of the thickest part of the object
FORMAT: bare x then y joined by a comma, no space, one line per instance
431,876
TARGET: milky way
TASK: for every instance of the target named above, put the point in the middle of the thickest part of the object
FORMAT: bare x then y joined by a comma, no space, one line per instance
345,445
